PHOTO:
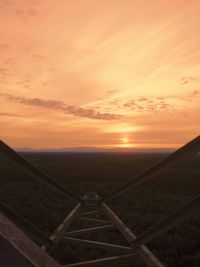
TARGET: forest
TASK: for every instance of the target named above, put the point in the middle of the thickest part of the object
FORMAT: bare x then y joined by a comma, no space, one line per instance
140,207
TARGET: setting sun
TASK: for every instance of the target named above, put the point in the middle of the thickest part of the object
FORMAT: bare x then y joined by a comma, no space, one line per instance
125,140
125,143
74,75
99,99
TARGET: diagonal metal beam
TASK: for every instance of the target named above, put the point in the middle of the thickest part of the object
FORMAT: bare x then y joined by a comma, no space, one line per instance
145,254
63,226
102,262
97,244
191,208
17,249
89,230
186,151
25,226
27,166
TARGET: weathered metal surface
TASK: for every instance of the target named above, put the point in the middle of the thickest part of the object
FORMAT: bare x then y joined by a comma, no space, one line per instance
186,151
89,230
32,170
63,226
145,254
103,261
24,225
11,257
96,244
18,250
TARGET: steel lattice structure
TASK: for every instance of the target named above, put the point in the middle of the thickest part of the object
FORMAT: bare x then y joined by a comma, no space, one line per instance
30,247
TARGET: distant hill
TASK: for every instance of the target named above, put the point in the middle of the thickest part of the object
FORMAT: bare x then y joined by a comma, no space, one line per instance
96,150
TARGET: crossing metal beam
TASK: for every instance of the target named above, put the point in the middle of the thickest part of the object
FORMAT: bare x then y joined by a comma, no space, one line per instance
137,244
96,244
89,230
90,212
185,152
146,255
103,261
94,220
34,233
191,208
18,250
27,166
63,226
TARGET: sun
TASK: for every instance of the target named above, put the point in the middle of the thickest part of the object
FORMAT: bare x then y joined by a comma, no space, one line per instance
125,142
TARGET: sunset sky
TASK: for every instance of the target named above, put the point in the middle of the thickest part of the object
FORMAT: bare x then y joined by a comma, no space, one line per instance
106,74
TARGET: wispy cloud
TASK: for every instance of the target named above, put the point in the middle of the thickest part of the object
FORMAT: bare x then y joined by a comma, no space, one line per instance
3,45
195,93
6,114
189,79
102,69
144,104
60,105
152,104
23,9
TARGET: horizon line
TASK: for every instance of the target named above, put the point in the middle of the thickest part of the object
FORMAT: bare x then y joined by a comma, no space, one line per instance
96,149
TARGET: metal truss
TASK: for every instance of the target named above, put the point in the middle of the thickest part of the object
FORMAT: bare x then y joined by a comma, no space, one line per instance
91,208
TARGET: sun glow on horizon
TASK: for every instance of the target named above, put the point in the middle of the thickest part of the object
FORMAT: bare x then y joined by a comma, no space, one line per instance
125,143
104,74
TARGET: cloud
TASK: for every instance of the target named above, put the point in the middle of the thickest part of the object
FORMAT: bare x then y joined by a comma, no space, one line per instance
21,8
3,46
60,105
6,114
189,79
142,98
111,92
195,93
3,70
192,96
144,104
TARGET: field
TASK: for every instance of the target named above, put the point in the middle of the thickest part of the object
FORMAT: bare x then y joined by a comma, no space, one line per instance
140,207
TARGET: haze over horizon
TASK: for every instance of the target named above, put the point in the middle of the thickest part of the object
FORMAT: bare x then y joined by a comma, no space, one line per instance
95,150
100,74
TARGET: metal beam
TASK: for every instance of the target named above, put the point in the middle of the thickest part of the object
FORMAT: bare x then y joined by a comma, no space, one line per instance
25,226
18,250
143,251
27,166
102,262
95,220
89,230
90,212
191,208
63,226
179,155
96,244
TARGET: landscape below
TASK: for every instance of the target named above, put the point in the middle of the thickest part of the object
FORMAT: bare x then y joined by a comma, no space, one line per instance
140,207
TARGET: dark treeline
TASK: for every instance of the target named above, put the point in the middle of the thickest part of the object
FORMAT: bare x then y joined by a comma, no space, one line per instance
140,207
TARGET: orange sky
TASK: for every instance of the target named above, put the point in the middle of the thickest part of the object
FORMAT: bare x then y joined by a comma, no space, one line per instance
107,73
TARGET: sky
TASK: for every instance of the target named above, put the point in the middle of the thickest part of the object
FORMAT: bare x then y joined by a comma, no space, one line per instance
104,74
